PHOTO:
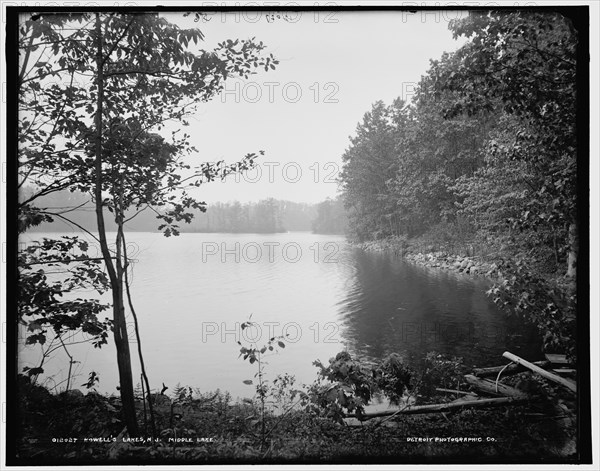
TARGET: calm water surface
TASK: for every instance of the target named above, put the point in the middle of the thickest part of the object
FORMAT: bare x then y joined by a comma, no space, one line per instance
192,293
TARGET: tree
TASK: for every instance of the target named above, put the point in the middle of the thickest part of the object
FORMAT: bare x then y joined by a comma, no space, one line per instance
528,187
267,216
96,89
331,217
526,61
432,154
487,147
369,166
399,171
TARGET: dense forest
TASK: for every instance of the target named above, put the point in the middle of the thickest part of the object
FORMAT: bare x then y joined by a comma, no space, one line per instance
483,160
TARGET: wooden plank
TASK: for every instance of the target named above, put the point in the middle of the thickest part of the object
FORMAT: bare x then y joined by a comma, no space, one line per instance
552,377
490,387
431,408
557,359
510,369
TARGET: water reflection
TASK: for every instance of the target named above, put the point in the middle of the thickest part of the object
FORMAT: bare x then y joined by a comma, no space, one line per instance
393,306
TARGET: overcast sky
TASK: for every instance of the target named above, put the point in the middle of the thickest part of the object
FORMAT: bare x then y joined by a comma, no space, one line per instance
333,67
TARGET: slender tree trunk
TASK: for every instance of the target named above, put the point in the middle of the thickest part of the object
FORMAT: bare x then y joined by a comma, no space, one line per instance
116,280
137,327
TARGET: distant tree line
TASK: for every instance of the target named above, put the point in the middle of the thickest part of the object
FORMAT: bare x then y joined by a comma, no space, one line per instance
265,216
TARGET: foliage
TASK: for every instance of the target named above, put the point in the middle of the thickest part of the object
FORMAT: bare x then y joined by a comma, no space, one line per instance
487,140
432,154
343,386
283,392
549,306
331,217
394,378
150,76
526,63
69,414
190,414
255,354
346,385
440,370
369,163
48,270
93,379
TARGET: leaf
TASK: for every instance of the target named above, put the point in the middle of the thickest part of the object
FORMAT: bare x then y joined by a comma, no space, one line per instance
34,325
247,381
35,371
281,344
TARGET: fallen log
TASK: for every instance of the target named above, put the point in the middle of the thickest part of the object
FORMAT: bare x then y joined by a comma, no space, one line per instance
431,408
493,388
509,370
536,369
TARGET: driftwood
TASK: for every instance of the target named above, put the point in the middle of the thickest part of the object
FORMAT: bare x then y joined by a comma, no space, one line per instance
431,408
493,388
509,370
536,369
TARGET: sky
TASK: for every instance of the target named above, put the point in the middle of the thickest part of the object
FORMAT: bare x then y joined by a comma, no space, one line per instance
333,67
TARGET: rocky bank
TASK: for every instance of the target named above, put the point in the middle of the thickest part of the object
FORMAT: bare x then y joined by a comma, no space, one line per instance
437,260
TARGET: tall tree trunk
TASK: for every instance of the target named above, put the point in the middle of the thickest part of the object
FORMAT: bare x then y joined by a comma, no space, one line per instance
573,251
116,279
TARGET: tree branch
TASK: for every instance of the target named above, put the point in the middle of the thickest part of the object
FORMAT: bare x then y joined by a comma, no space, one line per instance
154,73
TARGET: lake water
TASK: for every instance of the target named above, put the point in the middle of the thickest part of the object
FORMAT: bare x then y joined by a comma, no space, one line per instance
192,292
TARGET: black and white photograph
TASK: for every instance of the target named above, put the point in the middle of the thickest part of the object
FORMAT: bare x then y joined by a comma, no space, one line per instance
299,234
